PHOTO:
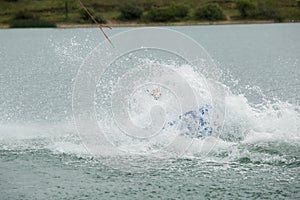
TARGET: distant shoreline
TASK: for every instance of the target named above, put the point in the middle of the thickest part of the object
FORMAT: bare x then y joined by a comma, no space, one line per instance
136,24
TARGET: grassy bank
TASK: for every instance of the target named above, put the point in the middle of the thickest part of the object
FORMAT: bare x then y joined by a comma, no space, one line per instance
49,12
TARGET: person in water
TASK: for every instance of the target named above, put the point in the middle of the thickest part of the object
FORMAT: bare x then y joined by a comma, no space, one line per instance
194,123
155,93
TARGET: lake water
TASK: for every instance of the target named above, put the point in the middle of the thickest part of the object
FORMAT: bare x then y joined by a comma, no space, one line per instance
44,153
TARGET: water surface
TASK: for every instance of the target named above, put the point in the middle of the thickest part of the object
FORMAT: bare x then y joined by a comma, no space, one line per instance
257,156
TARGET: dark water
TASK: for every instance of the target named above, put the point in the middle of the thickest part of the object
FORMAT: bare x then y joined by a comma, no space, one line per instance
40,174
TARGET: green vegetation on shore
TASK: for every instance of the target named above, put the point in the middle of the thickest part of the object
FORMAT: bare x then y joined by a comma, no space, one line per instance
46,13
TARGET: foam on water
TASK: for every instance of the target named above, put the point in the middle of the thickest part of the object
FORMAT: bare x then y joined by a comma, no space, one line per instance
247,126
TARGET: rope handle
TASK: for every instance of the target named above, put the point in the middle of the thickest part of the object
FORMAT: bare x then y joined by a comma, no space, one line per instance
95,21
